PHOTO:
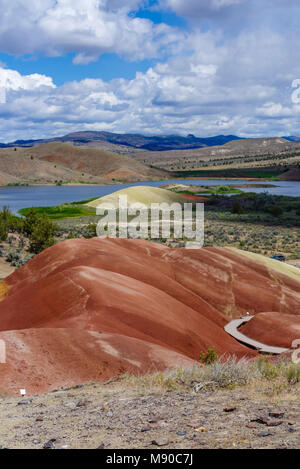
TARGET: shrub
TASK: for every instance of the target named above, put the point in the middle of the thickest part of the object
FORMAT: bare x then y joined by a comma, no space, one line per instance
223,189
5,215
209,357
237,208
293,374
3,231
42,235
13,257
275,210
30,222
267,369
90,231
228,374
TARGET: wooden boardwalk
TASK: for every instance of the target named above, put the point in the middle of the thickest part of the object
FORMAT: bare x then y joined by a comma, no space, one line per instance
232,329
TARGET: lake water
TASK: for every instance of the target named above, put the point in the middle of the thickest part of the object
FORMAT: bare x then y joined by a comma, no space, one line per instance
33,196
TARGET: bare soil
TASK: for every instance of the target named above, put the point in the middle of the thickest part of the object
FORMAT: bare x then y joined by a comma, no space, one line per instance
114,417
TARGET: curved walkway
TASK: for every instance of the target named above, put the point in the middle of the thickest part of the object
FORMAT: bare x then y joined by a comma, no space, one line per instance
232,329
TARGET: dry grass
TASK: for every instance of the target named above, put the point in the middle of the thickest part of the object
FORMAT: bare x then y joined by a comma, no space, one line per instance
262,377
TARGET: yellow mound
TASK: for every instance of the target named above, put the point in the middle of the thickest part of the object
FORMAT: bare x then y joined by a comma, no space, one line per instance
277,268
140,194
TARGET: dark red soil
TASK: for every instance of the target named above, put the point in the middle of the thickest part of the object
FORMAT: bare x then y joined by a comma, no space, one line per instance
155,306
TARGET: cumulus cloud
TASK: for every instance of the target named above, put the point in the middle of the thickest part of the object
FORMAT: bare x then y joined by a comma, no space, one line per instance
211,81
274,110
13,80
183,95
87,27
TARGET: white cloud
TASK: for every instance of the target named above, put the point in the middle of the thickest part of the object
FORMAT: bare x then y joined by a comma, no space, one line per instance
87,27
218,81
183,95
275,110
13,80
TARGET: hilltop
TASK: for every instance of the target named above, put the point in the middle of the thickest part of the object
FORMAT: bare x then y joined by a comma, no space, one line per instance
52,162
120,143
140,194
248,153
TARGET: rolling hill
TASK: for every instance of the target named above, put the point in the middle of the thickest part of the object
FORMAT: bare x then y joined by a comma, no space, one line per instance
94,309
247,153
51,162
140,194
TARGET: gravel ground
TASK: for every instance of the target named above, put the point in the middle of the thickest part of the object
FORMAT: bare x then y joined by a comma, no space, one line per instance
113,417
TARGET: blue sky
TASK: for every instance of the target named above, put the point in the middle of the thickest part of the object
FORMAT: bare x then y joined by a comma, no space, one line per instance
107,67
205,67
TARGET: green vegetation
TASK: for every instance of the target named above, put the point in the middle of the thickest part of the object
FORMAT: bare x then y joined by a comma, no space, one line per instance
34,232
255,208
208,357
4,223
226,190
281,377
209,190
40,231
247,221
267,369
18,184
293,374
8,222
62,211
237,208
253,237
259,223
266,173
86,201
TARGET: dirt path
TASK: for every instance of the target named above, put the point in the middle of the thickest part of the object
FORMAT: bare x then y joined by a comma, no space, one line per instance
111,417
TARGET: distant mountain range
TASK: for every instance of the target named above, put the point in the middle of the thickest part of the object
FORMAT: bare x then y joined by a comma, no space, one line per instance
136,141
292,138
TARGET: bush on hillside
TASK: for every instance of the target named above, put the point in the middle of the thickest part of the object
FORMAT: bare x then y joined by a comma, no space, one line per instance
237,208
209,357
5,216
3,231
42,235
275,210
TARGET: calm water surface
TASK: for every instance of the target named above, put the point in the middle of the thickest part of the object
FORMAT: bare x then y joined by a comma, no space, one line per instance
33,196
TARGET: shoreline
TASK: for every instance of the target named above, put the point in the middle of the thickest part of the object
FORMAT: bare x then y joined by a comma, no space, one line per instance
115,183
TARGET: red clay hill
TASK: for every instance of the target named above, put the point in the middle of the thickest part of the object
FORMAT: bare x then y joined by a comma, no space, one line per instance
87,310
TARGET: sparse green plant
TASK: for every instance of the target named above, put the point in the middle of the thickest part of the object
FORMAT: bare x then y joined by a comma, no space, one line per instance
208,357
268,370
42,235
14,258
293,374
